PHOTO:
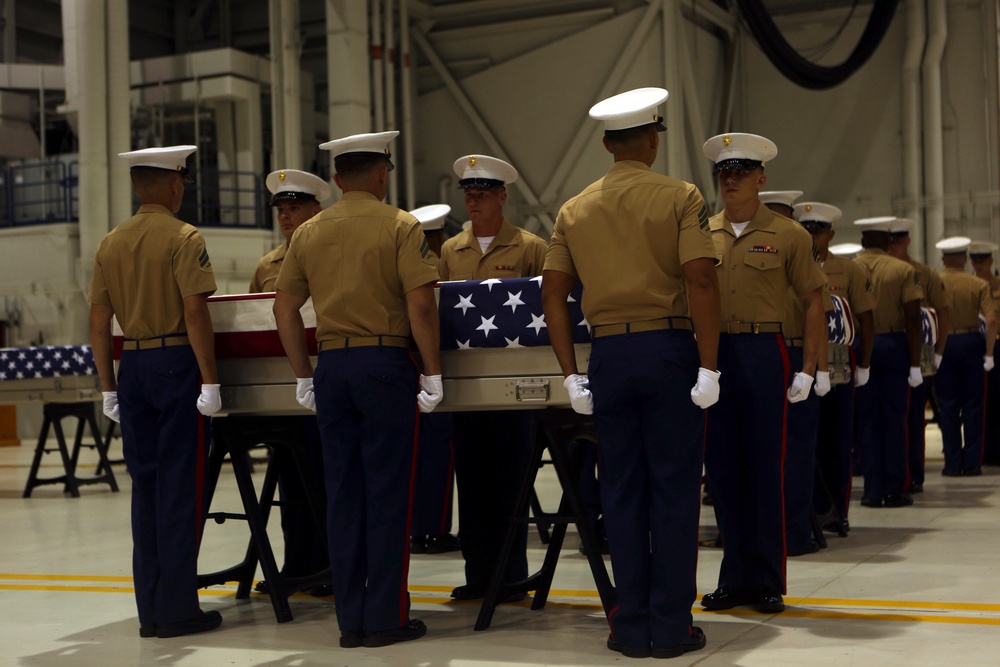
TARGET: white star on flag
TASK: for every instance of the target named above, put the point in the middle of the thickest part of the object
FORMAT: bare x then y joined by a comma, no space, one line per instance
513,343
831,324
514,301
570,299
490,282
537,323
487,326
464,302
537,279
464,346
584,323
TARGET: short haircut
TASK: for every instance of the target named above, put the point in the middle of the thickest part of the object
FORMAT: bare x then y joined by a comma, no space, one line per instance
151,177
353,165
629,135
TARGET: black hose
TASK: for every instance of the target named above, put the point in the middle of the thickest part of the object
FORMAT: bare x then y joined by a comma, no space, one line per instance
801,71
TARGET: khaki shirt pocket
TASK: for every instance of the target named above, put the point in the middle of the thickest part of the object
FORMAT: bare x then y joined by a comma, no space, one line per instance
762,261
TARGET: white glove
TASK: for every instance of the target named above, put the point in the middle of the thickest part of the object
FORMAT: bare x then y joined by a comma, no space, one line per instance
937,361
799,391
580,397
431,392
916,378
705,392
987,363
822,386
114,414
209,402
304,393
861,376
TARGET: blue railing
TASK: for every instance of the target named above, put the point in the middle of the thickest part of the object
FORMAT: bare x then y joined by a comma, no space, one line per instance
48,192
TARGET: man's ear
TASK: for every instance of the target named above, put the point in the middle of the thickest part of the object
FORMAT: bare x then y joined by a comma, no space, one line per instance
761,181
503,197
607,145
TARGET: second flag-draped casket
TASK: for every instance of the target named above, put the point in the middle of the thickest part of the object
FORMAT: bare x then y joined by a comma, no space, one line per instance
840,330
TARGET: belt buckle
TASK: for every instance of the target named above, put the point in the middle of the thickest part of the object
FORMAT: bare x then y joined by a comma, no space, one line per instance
756,327
733,327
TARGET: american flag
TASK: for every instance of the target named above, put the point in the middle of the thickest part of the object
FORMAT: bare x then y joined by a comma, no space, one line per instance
500,313
29,363
840,322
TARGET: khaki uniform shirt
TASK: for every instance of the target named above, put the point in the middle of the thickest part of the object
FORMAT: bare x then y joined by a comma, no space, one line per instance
970,296
849,281
794,324
936,295
513,253
357,259
894,283
267,270
626,238
995,289
144,269
756,269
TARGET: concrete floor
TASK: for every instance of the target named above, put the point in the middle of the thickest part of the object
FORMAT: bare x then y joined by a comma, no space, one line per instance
911,586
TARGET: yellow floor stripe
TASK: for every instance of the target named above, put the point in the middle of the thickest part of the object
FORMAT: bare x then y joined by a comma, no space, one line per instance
865,610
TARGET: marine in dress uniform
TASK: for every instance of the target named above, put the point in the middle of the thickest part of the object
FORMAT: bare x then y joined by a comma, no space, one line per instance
938,298
836,410
981,256
430,531
166,387
296,197
803,416
968,356
881,408
639,243
760,255
371,277
491,448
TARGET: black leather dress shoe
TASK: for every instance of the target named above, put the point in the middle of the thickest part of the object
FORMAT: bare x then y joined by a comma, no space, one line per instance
262,587
321,591
629,651
897,500
413,630
809,547
769,603
693,643
148,630
868,502
418,545
723,598
203,622
972,472
839,527
916,487
352,639
441,544
951,473
468,592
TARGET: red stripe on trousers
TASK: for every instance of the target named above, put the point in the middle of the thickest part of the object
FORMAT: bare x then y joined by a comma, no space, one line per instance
446,507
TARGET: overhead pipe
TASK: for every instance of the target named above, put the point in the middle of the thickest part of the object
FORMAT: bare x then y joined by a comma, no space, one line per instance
274,15
291,90
670,20
409,98
119,117
937,23
916,40
85,45
390,89
377,73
